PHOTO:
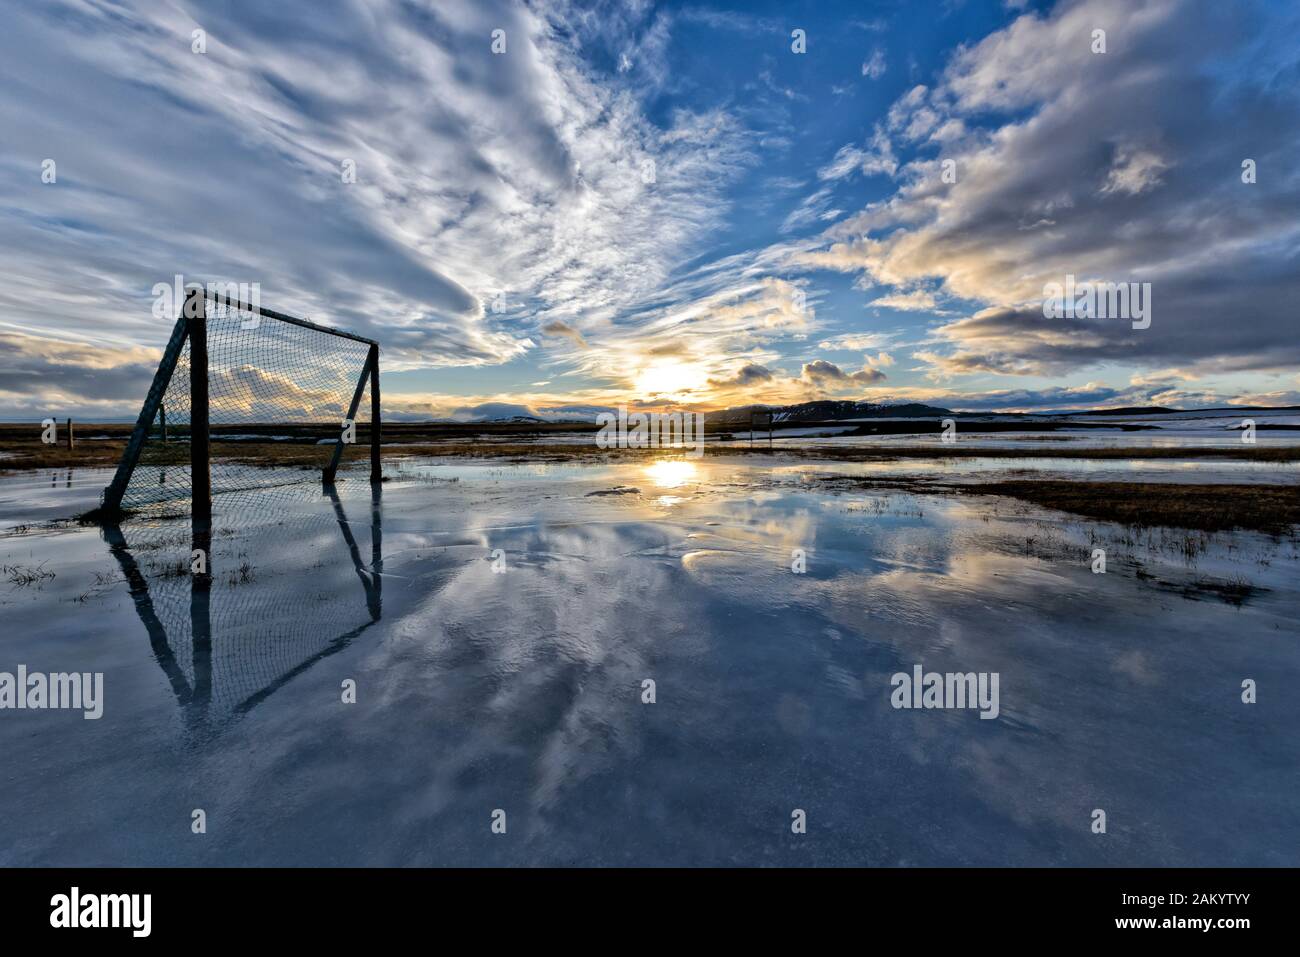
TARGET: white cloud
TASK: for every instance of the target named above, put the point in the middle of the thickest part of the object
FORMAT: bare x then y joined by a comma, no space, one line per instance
1122,167
526,172
808,212
873,67
1135,171
877,157
854,342
916,301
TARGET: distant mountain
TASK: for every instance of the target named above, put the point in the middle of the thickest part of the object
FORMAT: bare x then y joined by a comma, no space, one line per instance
908,410
824,410
509,413
1128,410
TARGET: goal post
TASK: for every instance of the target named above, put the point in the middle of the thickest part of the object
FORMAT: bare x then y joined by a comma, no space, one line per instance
237,372
195,314
112,498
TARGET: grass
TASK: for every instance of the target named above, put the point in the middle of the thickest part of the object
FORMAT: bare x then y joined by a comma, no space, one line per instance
1274,509
861,453
102,445
1210,508
105,454
22,575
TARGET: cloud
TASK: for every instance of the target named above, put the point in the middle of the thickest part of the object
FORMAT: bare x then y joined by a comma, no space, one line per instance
1092,395
747,375
880,360
592,187
529,172
1135,171
710,322
42,376
1163,377
1123,166
827,375
846,160
873,67
856,342
875,158
807,212
919,300
1285,397
560,328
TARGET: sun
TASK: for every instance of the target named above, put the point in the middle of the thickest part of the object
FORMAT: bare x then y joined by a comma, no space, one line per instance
670,378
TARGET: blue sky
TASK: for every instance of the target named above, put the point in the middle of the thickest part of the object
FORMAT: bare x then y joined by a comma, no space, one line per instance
663,204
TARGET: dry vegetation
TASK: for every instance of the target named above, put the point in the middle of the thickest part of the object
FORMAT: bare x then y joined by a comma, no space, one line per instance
1270,508
861,453
101,446
1210,508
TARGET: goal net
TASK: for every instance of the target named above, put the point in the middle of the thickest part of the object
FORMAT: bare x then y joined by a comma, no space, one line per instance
286,400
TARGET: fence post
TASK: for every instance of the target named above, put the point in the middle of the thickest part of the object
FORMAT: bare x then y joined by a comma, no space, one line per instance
70,440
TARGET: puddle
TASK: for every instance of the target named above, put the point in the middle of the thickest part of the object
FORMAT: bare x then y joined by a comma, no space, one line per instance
499,622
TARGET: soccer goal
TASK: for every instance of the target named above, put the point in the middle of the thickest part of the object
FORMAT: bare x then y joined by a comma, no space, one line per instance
278,394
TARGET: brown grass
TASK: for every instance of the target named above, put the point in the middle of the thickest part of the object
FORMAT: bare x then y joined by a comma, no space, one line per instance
1210,508
105,453
860,453
24,449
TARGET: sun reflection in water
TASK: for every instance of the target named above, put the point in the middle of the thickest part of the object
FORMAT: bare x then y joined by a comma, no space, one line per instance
671,473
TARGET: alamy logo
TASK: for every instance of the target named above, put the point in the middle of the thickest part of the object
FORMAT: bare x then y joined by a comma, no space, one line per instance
1098,300
103,910
168,298
947,690
651,430
77,691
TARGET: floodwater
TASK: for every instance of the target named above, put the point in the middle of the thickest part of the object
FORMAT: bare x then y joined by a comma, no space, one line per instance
500,623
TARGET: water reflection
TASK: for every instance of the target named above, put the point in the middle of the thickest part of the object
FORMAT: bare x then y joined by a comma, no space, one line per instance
769,609
229,636
671,473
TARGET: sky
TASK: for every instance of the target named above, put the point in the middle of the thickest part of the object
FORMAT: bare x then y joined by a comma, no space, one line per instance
561,207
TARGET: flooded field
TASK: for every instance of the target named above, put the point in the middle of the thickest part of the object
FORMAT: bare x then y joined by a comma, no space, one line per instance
501,623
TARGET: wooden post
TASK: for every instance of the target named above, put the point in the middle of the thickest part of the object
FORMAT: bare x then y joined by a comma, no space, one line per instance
70,440
376,470
200,468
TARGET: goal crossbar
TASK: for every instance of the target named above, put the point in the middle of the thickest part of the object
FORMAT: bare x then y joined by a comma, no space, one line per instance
224,300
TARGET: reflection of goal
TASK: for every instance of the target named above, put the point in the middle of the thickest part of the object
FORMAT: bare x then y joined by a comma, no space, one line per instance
284,392
282,594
